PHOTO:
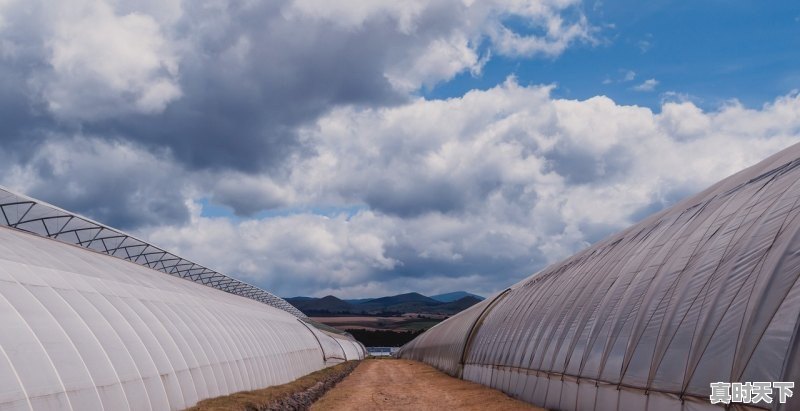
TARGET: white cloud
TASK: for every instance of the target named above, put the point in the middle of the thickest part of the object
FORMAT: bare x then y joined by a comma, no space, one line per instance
226,85
490,187
683,120
292,106
678,97
647,85
451,45
106,64
442,59
628,75
558,37
291,250
248,194
115,182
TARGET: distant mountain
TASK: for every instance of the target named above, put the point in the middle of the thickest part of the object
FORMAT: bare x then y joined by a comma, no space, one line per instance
401,298
300,298
402,303
327,304
461,304
391,305
357,300
456,295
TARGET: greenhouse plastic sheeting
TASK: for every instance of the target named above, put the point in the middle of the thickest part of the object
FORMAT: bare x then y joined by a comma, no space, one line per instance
34,216
352,350
81,330
443,346
332,351
646,319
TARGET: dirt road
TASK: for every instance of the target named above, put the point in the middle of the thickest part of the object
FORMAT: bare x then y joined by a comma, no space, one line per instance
389,384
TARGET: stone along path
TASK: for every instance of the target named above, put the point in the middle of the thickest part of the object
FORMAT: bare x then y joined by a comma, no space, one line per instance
389,384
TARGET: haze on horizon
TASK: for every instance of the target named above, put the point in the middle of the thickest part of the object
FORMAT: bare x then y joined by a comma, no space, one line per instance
371,148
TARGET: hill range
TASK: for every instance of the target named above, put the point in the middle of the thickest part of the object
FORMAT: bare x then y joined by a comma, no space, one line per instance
442,304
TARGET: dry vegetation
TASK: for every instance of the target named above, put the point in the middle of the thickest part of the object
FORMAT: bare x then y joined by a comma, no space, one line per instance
296,395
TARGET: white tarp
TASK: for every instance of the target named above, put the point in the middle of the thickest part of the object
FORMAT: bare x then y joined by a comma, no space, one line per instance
646,319
81,330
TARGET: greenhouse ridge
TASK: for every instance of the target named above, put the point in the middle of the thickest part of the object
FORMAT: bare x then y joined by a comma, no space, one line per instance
34,216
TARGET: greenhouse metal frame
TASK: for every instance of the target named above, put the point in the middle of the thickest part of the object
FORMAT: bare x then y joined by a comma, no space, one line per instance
28,214
95,319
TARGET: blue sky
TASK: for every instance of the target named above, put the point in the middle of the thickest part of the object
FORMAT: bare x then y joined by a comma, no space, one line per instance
366,148
708,51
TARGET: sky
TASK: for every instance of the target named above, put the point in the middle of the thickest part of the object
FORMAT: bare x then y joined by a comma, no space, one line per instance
365,147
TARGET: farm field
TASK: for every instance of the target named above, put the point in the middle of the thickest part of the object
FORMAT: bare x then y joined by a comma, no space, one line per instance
408,322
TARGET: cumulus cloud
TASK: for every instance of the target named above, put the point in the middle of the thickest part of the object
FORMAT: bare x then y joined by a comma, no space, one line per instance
114,182
83,60
248,194
296,249
139,114
225,85
105,64
489,187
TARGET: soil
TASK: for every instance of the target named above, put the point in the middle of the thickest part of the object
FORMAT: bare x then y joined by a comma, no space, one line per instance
392,384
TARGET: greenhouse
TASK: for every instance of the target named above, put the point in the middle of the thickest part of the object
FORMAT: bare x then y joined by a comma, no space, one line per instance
704,292
95,319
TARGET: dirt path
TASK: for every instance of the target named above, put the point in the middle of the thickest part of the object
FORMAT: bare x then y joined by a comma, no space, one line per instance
408,385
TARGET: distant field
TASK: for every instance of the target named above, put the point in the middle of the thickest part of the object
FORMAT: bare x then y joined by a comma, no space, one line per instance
405,323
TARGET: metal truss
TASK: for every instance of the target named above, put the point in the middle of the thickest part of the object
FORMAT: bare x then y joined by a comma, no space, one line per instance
37,217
